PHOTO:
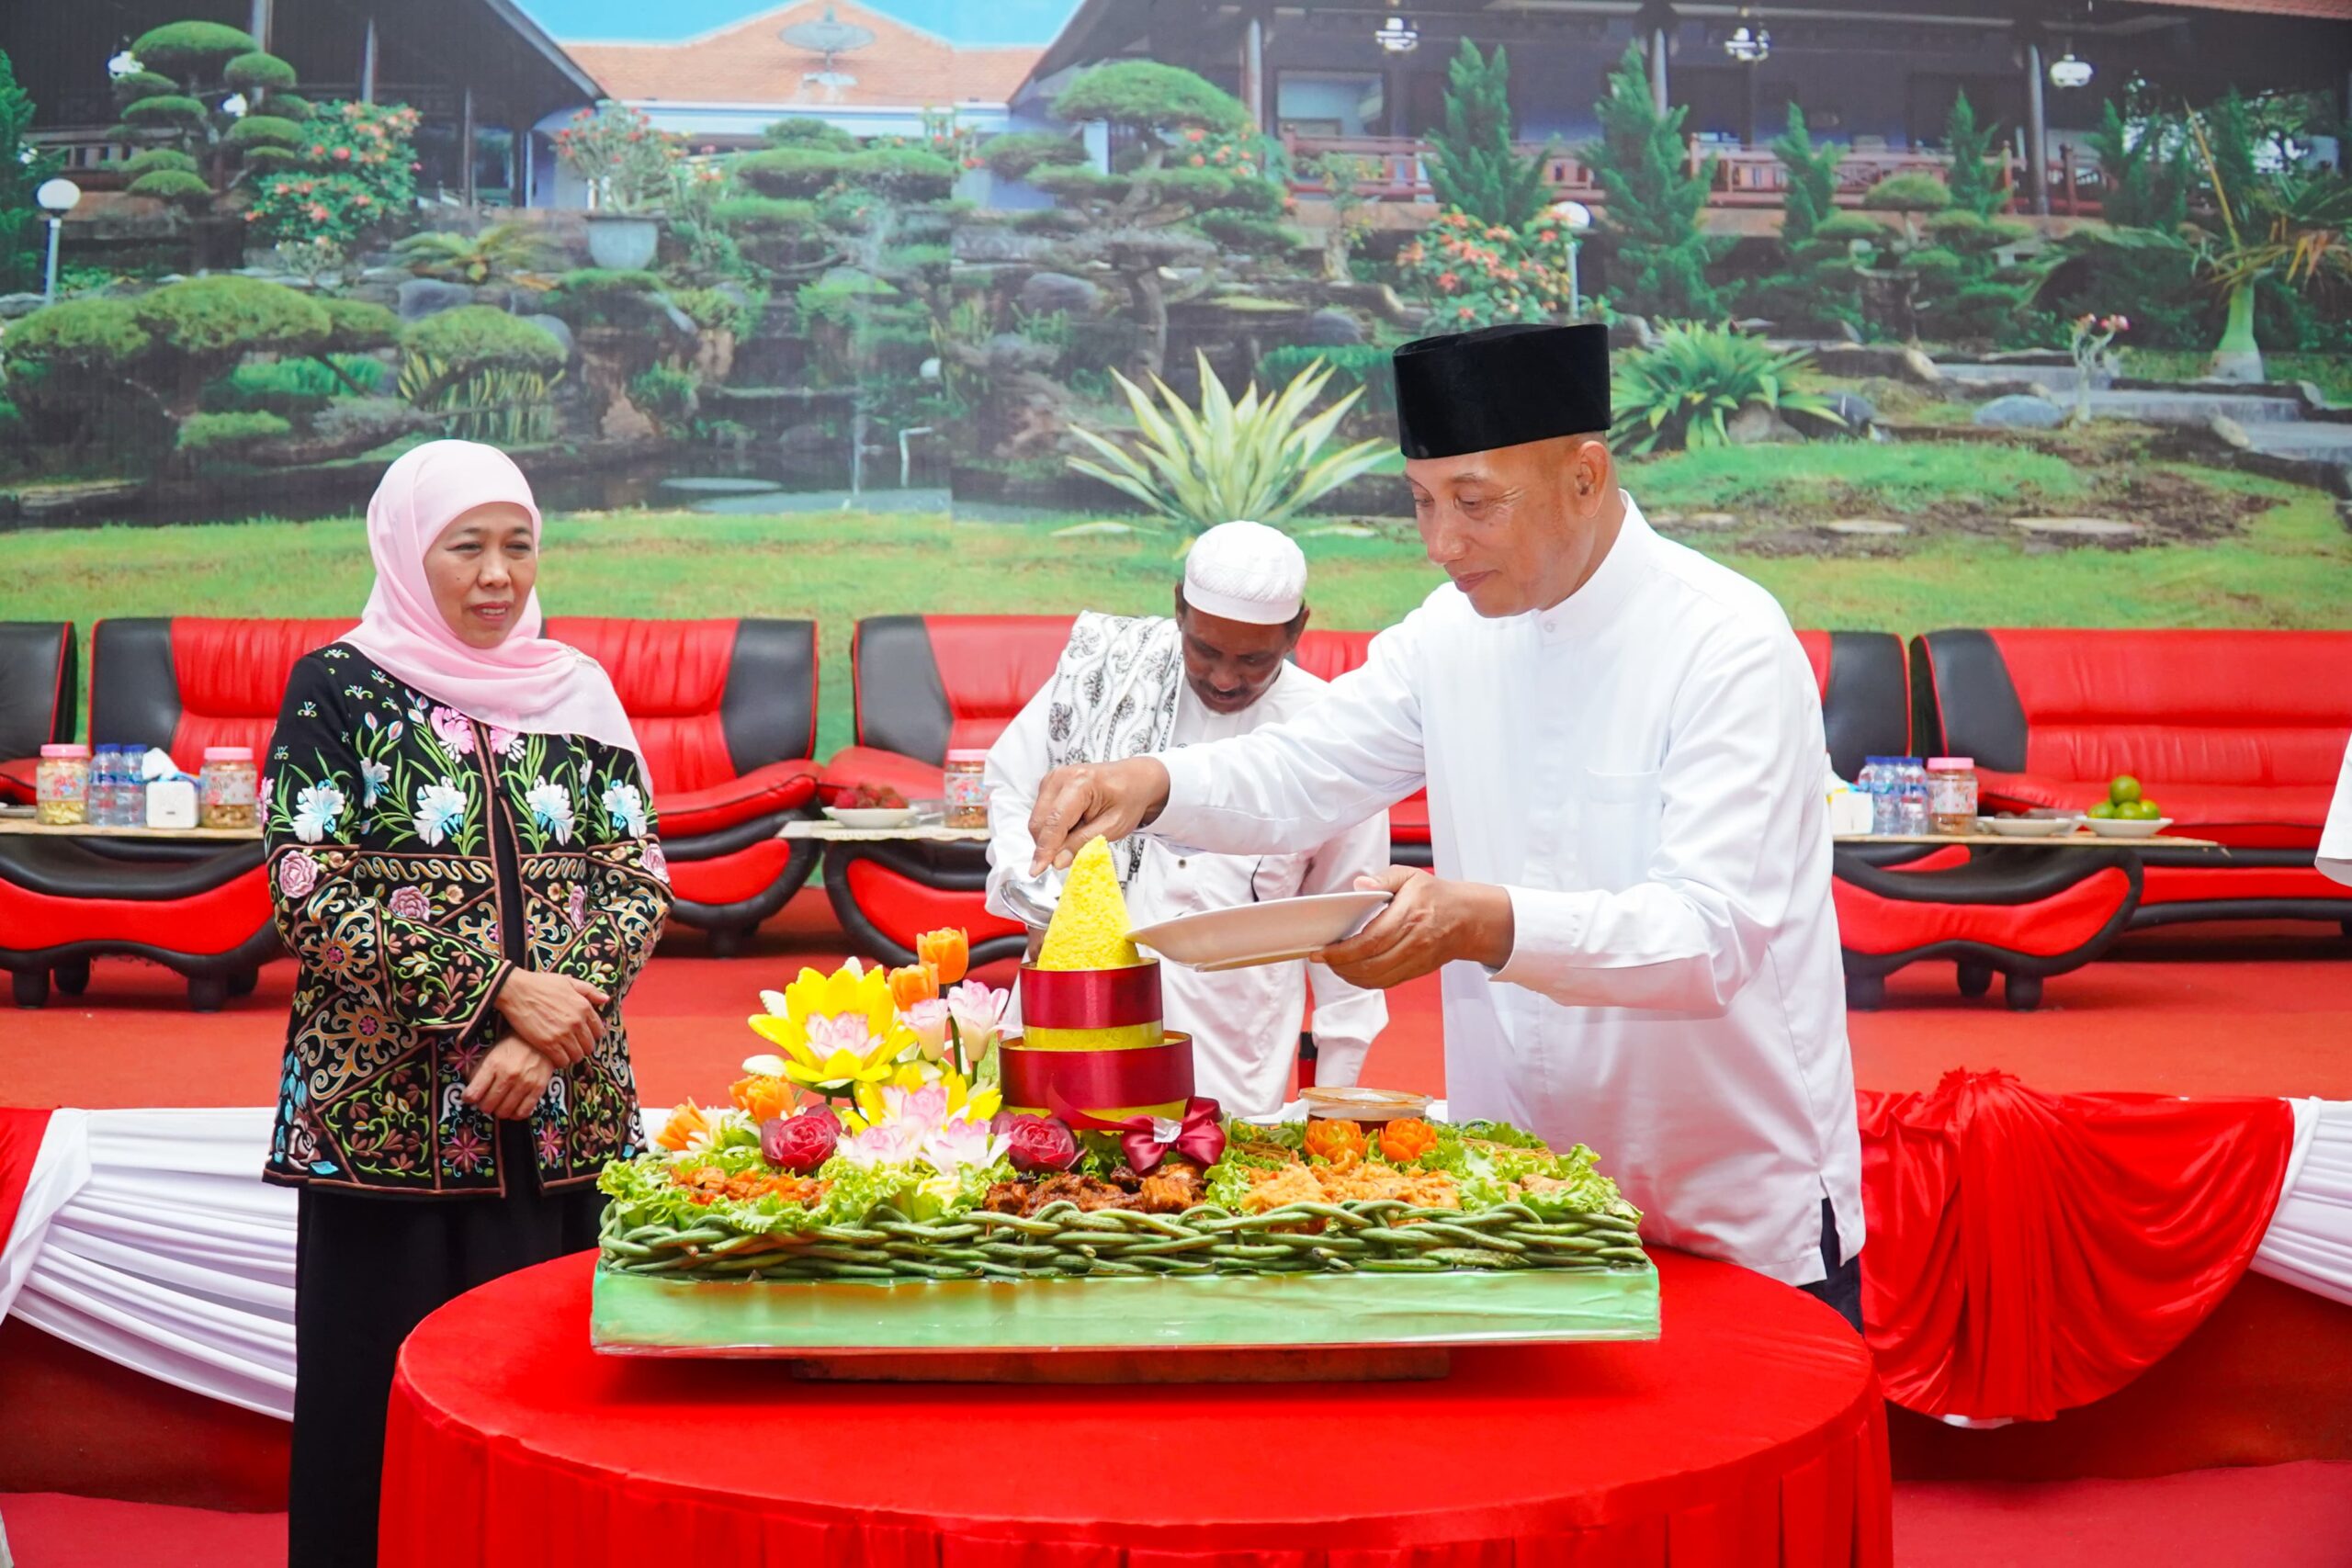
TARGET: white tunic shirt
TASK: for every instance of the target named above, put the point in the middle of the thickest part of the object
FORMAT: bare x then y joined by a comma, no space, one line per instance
2334,858
1640,766
1244,1022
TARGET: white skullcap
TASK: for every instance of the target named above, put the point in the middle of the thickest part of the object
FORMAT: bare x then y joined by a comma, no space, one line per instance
1245,572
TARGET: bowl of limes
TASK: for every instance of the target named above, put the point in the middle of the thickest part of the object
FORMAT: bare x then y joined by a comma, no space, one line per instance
2126,813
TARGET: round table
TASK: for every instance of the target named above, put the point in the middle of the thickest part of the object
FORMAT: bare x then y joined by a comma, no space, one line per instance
1752,1432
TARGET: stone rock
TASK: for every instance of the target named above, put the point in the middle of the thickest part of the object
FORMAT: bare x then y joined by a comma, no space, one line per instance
1341,531
1917,367
1866,527
1332,329
2077,528
2017,411
809,440
15,305
557,328
1010,351
1630,332
422,296
682,324
1757,425
1708,520
1045,291
1104,529
2230,433
1857,410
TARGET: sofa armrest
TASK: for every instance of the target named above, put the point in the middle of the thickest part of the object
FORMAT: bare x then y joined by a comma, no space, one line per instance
778,786
17,782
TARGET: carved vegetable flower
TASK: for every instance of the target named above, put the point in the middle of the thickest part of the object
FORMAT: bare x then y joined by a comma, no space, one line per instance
1340,1142
947,952
800,1143
1407,1140
1036,1144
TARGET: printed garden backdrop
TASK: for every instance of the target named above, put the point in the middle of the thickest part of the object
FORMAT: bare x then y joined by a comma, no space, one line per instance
839,383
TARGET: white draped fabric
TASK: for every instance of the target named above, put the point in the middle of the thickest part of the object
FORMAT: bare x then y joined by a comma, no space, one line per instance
2310,1239
148,1239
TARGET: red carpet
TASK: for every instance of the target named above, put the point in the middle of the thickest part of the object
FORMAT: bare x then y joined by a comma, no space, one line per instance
2288,1516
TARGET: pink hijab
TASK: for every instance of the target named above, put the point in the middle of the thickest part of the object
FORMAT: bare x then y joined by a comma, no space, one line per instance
528,684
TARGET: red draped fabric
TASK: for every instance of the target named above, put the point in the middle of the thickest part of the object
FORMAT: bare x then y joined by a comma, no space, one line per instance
2029,1252
20,1135
1752,1432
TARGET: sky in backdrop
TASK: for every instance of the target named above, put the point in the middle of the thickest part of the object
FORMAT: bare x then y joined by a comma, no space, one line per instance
634,21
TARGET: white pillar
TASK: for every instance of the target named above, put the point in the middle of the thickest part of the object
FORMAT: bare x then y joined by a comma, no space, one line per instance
368,64
2037,133
1253,69
1657,67
259,20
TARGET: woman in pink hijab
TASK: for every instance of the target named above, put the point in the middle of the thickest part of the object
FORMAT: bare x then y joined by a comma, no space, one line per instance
462,857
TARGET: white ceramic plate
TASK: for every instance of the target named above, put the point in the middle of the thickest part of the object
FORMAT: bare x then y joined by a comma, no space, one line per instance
1251,934
872,816
2114,828
2030,827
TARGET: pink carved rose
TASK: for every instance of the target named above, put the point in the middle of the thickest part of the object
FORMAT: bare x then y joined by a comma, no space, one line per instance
456,730
1041,1143
411,904
297,874
800,1143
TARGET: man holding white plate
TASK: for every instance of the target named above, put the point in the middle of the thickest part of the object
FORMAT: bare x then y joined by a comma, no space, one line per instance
1130,685
1622,740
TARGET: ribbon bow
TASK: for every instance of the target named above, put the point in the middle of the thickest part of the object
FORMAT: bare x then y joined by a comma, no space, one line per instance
1199,1136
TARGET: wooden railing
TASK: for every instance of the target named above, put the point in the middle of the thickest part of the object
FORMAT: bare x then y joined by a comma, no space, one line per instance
1741,177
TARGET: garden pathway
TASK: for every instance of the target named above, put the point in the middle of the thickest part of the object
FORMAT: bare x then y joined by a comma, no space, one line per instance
2274,425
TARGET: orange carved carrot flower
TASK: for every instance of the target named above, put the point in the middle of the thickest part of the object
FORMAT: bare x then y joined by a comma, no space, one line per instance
761,1096
915,983
947,952
1407,1140
1341,1143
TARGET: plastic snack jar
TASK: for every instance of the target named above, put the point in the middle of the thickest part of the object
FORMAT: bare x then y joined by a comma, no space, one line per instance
61,785
967,793
230,786
1951,795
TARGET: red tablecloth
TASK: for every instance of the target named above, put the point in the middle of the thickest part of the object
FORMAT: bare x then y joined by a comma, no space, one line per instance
1752,1433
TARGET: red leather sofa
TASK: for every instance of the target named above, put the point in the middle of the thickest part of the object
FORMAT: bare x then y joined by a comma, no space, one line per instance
725,709
2237,735
37,699
927,684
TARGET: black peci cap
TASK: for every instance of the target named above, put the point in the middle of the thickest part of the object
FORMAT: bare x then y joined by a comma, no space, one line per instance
1501,387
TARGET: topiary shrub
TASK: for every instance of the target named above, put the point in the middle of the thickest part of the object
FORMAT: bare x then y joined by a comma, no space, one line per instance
206,317
909,174
665,395
174,186
473,337
1016,154
1144,91
355,326
291,105
258,69
794,172
264,130
165,112
766,211
716,310
138,85
158,160
89,333
222,432
806,131
181,48
1908,193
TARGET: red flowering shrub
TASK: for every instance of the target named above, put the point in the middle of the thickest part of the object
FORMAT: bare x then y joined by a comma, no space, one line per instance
1474,275
354,171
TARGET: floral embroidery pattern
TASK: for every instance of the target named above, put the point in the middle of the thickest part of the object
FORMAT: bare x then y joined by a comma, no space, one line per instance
395,911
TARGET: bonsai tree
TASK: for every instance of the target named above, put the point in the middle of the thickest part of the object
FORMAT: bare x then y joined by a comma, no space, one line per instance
1473,166
1898,265
212,103
1660,265
1342,176
22,169
1168,204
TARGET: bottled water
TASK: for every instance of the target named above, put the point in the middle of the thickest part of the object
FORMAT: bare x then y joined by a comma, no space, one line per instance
104,762
1912,792
118,787
1881,781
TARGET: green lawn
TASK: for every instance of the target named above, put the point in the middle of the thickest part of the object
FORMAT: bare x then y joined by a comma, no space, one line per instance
2290,566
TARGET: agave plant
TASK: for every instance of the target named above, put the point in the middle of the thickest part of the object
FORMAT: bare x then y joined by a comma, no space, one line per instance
1685,387
1260,457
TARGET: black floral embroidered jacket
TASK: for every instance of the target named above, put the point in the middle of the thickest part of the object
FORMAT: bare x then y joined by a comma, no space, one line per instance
417,856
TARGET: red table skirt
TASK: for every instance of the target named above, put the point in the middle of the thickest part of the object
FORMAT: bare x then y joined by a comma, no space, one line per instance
1752,1433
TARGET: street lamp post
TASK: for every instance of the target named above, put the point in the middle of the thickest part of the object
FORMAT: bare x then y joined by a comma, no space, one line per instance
1577,216
57,198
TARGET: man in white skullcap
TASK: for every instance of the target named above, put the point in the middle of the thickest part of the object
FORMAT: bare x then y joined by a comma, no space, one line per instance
1128,685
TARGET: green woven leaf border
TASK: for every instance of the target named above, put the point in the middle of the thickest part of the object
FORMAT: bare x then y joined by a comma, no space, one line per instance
1061,1241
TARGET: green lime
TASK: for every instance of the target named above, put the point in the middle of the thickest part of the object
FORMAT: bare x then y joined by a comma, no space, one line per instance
2104,810
2124,789
2140,810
